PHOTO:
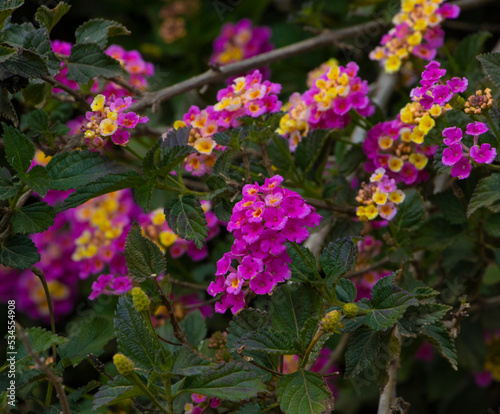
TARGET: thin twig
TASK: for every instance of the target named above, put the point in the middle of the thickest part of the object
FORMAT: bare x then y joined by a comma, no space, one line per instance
161,338
268,165
98,365
325,205
53,378
187,284
374,266
78,97
251,361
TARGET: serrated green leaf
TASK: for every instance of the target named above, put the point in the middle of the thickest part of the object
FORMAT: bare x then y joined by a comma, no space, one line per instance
303,263
279,153
34,218
144,258
36,94
221,138
38,121
26,64
38,42
173,156
98,31
416,317
389,349
304,392
194,327
40,340
351,160
7,110
6,53
468,49
143,195
6,9
38,180
89,335
346,290
87,61
7,188
18,252
438,335
185,362
50,17
233,381
410,212
337,258
486,194
361,351
73,169
187,219
103,185
15,34
223,162
424,292
217,186
135,339
118,389
309,149
19,150
491,65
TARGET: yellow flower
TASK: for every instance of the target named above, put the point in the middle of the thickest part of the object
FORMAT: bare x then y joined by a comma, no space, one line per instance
406,115
204,145
426,124
405,134
415,39
385,142
379,197
395,164
98,103
417,136
420,24
158,218
334,73
107,127
436,110
408,5
418,160
392,64
167,238
397,197
179,124
371,212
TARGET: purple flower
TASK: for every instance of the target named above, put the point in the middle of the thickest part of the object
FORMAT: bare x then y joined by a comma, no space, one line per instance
461,169
262,283
476,128
458,85
127,120
216,287
442,94
121,284
250,266
433,71
483,155
234,283
452,154
452,135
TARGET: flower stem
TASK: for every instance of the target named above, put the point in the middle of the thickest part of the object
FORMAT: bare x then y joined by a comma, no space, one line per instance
493,127
133,152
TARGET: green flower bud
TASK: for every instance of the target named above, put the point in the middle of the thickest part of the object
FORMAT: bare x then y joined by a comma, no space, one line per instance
141,300
350,310
123,364
331,321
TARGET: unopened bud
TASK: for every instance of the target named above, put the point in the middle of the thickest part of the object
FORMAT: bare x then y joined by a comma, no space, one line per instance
141,300
123,364
331,321
350,310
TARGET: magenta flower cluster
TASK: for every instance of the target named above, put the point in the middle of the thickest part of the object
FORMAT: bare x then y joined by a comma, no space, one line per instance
262,222
455,155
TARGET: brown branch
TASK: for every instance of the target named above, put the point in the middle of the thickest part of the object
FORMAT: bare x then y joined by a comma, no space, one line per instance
161,338
123,83
53,378
268,165
186,284
325,205
78,97
368,268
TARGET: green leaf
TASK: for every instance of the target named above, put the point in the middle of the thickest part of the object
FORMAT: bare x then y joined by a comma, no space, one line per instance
223,162
309,149
86,335
18,252
410,212
351,160
38,42
303,263
73,169
40,340
26,64
346,290
337,258
103,185
362,350
416,317
143,195
7,188
7,110
390,348
50,17
135,339
486,194
186,362
233,381
304,392
98,31
35,218
187,219
14,34
19,150
217,186
438,335
114,391
38,180
37,94
38,121
6,53
468,49
144,258
6,9
87,60
424,292
491,65
280,155
194,327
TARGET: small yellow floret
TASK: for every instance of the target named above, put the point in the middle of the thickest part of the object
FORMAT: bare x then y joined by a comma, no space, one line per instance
98,103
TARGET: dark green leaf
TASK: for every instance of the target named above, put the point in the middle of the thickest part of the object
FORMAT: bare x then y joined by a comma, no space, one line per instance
233,381
143,195
87,335
38,42
19,150
309,149
103,185
135,339
40,340
7,110
187,219
172,156
50,17
223,162
491,65
303,263
73,169
351,160
6,9
194,327
416,317
410,212
217,186
18,252
439,336
14,34
186,362
144,258
98,31
468,49
7,188
26,64
337,258
304,392
221,138
486,194
175,138
118,389
35,218
6,53
37,121
87,61
424,292
38,180
280,155
346,290
362,350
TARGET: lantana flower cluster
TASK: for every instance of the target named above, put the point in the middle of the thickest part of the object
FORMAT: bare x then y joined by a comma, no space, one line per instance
156,228
458,156
417,32
389,145
248,96
326,104
200,404
109,118
380,197
262,222
238,41
430,100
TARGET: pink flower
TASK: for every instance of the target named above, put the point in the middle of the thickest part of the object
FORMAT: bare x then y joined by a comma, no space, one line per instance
452,154
127,120
483,155
476,128
457,85
442,94
452,135
262,283
121,284
461,169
